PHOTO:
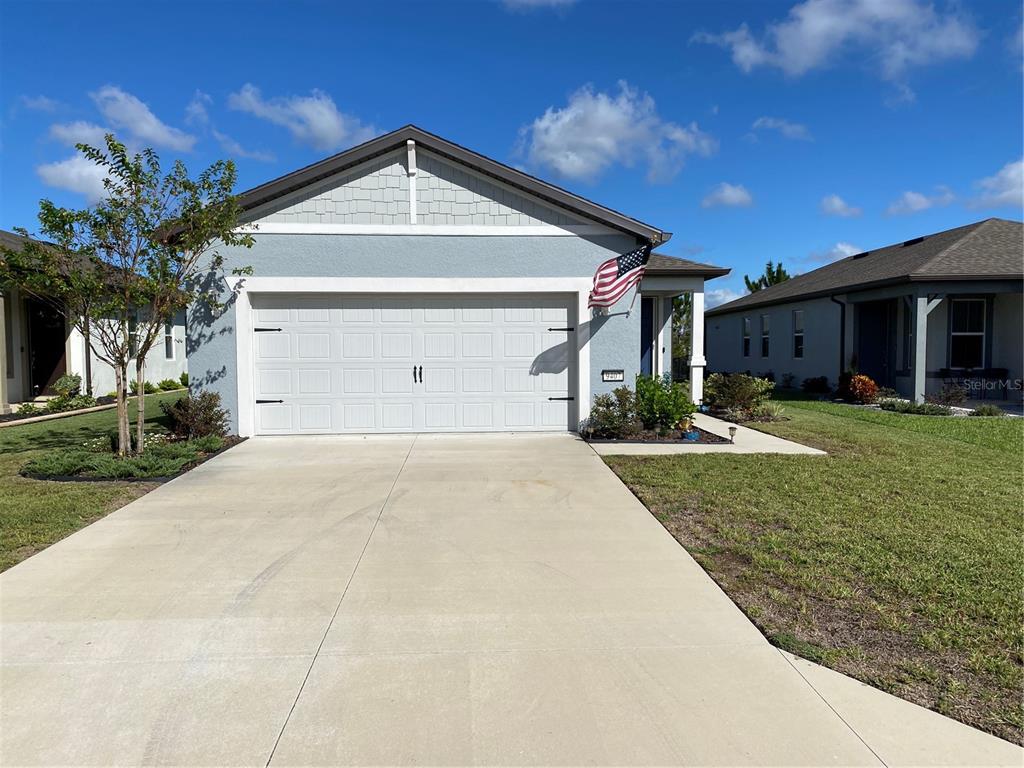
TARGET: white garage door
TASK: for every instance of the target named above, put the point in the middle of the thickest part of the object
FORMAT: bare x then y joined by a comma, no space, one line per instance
331,363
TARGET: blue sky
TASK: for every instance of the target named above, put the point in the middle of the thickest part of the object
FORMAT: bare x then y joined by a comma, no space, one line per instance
792,131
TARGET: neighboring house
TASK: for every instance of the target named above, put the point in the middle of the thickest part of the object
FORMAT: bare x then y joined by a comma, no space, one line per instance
412,285
40,346
913,316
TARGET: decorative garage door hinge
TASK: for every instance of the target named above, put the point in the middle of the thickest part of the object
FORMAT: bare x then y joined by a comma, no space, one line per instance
562,329
260,402
561,398
265,330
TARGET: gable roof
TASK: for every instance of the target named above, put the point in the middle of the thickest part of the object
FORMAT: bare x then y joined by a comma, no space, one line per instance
661,264
389,142
992,249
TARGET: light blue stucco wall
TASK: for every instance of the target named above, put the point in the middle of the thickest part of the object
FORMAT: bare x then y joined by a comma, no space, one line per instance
614,341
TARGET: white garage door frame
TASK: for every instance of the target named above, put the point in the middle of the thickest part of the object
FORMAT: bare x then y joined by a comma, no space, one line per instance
243,287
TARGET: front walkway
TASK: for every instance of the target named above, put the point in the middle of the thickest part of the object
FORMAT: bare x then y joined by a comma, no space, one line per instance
400,600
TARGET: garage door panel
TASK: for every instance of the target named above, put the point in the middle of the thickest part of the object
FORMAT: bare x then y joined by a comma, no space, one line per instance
408,364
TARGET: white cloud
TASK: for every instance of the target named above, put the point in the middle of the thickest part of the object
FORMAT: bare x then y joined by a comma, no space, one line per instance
529,5
196,111
728,196
79,132
915,202
40,103
312,120
232,147
125,111
596,130
897,35
840,250
1003,189
718,296
788,129
834,205
76,174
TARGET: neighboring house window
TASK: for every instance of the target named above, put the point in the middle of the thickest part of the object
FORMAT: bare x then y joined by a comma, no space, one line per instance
798,333
133,335
765,332
168,341
746,337
967,333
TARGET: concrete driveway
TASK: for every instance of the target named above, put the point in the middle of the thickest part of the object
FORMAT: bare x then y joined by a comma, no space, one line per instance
399,600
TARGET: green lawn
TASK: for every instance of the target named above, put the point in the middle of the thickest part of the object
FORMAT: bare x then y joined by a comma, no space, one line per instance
897,559
36,513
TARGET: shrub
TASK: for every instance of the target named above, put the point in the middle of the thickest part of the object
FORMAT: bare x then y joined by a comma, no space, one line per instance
147,386
859,389
168,384
788,380
887,393
68,385
614,416
768,411
183,379
159,460
736,391
198,415
29,409
991,411
662,403
69,403
919,409
816,385
950,394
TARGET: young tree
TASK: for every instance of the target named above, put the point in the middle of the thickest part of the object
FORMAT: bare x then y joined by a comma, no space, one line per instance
773,275
126,266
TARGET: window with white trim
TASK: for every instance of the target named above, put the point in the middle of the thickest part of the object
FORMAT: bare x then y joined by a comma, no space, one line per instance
168,341
967,333
798,333
765,334
746,337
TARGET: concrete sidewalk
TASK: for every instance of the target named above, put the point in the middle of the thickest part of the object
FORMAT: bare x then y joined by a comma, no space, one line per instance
414,600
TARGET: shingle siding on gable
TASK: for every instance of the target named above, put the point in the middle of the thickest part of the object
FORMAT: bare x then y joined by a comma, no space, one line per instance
448,195
374,193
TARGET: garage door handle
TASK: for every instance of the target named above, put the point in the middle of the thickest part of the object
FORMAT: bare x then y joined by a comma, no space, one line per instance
415,380
259,402
265,330
421,374
561,398
562,329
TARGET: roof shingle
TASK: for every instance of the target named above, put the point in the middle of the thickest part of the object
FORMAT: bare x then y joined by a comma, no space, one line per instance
985,250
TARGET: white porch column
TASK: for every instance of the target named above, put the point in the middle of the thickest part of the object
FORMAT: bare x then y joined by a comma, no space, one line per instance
5,406
919,338
697,361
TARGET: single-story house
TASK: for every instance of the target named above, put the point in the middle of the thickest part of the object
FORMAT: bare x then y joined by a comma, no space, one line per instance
412,285
914,316
41,345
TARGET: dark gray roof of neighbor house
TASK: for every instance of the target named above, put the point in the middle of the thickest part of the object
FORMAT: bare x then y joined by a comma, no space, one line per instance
992,249
390,141
661,264
14,241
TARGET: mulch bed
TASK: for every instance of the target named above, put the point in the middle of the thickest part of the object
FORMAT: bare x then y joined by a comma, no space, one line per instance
673,436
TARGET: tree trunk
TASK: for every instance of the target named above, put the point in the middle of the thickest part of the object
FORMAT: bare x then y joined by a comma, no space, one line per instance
140,404
121,385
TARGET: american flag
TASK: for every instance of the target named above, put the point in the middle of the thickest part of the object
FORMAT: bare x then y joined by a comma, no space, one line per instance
616,276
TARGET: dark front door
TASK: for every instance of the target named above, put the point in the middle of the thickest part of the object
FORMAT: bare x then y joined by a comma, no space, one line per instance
647,336
46,338
876,341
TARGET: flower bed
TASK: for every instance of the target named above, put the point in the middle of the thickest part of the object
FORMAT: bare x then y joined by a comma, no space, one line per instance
696,436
